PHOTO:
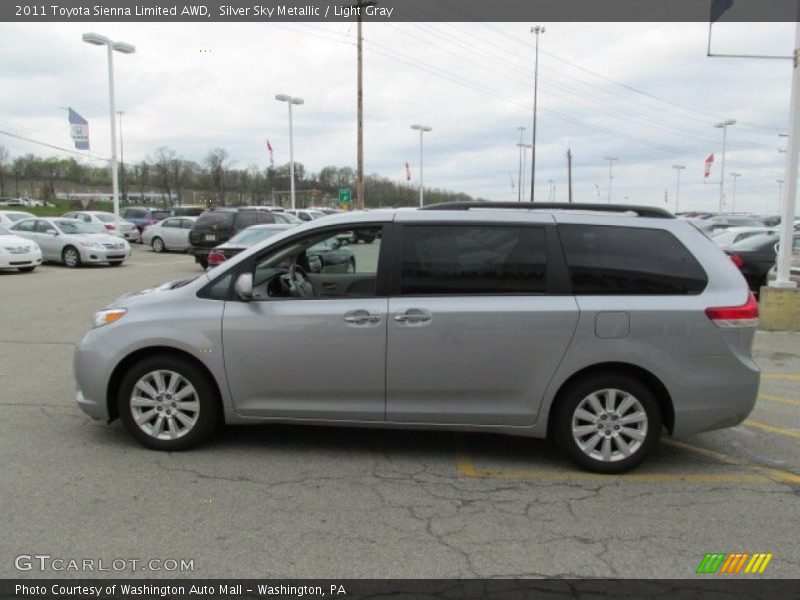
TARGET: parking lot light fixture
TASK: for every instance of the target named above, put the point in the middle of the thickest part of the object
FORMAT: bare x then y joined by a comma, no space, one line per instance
290,100
422,129
124,48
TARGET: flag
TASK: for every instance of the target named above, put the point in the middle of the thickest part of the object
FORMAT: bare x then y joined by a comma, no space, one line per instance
271,158
408,173
709,160
718,7
79,130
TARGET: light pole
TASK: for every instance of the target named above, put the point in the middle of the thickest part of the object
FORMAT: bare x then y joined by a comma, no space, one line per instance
724,126
519,178
735,176
125,48
121,157
610,160
538,29
290,100
678,169
422,129
524,149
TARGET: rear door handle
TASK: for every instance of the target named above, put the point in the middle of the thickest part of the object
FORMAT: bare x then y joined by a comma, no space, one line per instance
360,317
413,315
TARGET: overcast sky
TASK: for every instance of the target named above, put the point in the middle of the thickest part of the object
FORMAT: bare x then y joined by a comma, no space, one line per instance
645,93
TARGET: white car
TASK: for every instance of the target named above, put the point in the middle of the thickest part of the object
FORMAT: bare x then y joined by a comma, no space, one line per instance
726,237
307,214
18,253
106,221
73,242
9,217
169,234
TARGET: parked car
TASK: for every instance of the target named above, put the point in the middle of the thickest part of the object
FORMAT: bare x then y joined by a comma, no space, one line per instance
218,225
727,237
170,234
9,217
18,253
755,256
306,214
794,265
711,225
329,256
188,210
73,242
142,216
105,221
596,325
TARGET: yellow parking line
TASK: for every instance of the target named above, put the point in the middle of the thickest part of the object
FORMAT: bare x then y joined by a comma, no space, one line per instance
779,399
789,376
773,428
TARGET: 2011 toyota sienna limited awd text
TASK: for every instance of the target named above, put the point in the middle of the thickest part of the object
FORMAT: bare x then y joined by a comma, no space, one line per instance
594,325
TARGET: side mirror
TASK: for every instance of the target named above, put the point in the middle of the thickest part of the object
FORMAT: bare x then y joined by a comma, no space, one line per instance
244,286
51,232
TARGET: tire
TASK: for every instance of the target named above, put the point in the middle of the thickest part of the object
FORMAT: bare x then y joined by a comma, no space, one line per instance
71,257
157,244
201,414
26,269
604,450
115,263
203,262
351,266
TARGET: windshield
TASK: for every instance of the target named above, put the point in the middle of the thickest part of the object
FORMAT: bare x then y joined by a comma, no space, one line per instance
211,218
70,226
250,237
282,217
756,242
14,217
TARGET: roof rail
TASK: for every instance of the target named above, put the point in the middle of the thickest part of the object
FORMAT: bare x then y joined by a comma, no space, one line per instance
641,211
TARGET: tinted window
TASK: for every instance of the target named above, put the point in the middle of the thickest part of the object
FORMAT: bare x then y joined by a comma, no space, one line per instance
27,225
133,213
211,218
247,218
482,259
627,260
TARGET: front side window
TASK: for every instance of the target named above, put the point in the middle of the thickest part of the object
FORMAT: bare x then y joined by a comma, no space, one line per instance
26,225
68,226
473,259
321,265
170,223
606,260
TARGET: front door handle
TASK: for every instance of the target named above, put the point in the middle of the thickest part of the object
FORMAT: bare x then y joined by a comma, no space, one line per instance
413,315
360,317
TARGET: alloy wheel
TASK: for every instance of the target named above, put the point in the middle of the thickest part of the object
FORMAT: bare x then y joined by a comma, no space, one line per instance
609,425
164,405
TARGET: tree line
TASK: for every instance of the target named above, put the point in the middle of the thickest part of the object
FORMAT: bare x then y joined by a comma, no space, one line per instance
213,181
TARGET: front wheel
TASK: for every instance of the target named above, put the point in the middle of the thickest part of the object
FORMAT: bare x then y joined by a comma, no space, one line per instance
157,244
607,423
168,403
71,257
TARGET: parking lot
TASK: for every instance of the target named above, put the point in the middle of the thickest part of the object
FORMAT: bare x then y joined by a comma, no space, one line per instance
280,501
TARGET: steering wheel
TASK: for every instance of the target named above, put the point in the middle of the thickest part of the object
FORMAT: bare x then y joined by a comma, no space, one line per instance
300,285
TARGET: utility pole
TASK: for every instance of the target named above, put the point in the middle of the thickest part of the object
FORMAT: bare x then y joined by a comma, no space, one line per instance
121,158
724,126
735,176
535,30
569,175
519,177
524,149
610,160
678,169
360,100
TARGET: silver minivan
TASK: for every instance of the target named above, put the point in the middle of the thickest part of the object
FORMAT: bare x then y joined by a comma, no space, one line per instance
595,325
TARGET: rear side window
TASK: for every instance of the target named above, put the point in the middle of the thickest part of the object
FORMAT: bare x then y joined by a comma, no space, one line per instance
245,219
211,218
473,259
133,213
631,261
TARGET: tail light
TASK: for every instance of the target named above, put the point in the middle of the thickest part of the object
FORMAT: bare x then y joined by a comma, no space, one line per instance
216,258
110,226
745,315
737,260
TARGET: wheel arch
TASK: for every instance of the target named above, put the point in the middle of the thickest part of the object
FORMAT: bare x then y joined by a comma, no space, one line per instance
131,359
652,382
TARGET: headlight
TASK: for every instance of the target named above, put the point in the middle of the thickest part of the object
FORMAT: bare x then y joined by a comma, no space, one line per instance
106,317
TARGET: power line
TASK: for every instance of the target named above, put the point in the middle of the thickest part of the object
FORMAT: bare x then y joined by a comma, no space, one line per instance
54,147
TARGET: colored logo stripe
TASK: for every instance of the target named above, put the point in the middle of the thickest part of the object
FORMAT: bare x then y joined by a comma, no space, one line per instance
758,563
711,562
735,562
721,562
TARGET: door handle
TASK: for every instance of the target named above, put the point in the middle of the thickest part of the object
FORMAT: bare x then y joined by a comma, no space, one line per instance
361,316
413,315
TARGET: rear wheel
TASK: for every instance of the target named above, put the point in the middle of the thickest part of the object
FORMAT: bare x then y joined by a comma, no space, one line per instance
168,403
607,423
71,257
157,244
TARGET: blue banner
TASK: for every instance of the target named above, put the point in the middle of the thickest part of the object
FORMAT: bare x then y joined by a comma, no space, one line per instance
79,130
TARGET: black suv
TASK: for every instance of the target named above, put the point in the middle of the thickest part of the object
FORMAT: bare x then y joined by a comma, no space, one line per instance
217,225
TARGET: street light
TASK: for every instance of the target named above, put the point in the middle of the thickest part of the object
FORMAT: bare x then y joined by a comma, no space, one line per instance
678,169
724,126
124,48
610,160
422,129
733,202
538,29
290,100
122,158
523,147
519,178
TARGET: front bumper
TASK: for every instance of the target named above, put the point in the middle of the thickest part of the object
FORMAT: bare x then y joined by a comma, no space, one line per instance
91,376
100,255
15,261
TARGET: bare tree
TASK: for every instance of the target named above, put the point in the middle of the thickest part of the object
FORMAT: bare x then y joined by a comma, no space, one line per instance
217,163
163,163
4,158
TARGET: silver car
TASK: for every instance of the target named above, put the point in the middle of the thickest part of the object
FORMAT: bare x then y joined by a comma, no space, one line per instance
169,234
73,242
107,222
595,326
